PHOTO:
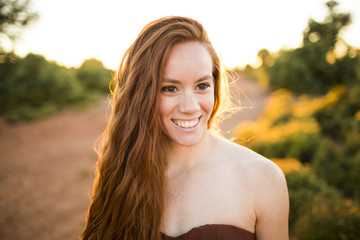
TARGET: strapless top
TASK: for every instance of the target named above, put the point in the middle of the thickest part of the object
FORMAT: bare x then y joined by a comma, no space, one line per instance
213,232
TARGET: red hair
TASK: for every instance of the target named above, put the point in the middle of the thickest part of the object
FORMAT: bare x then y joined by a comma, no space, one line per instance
128,193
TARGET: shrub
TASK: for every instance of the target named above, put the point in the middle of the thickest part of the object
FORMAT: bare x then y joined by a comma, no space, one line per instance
303,187
294,70
27,112
314,68
338,169
93,76
38,88
299,145
329,218
338,120
32,87
288,165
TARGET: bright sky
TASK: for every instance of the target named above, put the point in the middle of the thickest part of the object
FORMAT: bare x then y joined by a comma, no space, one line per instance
70,31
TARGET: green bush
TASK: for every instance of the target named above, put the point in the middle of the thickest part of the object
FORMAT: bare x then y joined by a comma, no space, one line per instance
300,145
315,68
303,188
8,65
302,71
36,88
338,169
352,185
338,120
352,144
27,112
93,75
32,87
328,218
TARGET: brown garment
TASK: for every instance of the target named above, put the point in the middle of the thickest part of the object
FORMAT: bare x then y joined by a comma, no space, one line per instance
214,232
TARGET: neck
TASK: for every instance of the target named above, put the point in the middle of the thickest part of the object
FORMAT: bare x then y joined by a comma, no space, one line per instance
183,157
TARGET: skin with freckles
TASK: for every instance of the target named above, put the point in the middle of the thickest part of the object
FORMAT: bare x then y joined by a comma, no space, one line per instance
210,180
187,97
161,170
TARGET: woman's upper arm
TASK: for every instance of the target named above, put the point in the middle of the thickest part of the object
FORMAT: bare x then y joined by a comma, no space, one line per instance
271,203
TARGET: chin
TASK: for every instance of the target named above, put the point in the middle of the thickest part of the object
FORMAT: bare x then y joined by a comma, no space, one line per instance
187,141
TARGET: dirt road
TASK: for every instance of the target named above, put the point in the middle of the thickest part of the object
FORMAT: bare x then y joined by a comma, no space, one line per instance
47,165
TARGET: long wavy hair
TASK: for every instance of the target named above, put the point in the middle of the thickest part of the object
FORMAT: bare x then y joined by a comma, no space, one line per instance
128,191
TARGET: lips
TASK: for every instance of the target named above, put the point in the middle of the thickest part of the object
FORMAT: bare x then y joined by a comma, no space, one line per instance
187,123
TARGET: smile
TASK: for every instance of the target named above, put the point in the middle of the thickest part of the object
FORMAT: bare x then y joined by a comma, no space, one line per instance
187,123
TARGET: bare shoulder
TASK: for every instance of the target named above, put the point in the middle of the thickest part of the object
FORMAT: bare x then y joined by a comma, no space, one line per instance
257,166
257,170
266,187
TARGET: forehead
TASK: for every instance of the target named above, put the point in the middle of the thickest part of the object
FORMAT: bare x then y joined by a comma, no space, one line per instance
187,60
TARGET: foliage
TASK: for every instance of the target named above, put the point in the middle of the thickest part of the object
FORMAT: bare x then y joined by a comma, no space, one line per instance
320,170
303,188
93,75
311,129
339,119
317,211
290,128
288,165
14,14
338,160
287,128
32,87
338,169
315,67
37,88
330,218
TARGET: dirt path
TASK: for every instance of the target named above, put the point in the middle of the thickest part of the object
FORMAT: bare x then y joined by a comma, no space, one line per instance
46,169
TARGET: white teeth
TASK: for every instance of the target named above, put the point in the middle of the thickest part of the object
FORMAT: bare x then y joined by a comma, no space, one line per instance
186,124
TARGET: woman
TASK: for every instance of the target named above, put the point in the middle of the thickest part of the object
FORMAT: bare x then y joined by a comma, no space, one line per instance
162,174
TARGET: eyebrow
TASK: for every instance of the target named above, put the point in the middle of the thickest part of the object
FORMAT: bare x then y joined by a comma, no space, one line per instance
170,80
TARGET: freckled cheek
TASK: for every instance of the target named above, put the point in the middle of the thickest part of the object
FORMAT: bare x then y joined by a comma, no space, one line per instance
207,103
166,106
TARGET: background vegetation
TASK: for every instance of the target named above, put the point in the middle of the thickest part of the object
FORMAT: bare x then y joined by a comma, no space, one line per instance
311,128
32,87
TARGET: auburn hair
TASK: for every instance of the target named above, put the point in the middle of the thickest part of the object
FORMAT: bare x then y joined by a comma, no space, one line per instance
128,191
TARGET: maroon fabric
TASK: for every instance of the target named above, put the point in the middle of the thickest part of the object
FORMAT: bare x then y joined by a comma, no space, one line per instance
214,232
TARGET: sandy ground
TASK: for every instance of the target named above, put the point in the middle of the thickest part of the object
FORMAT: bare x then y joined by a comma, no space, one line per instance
47,167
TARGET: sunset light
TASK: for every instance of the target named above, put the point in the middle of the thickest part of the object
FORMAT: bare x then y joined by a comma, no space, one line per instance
69,32
173,144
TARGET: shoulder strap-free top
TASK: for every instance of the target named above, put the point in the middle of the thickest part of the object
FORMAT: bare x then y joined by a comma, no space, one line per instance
214,232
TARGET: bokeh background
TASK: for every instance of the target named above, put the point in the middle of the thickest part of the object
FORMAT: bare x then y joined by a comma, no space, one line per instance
294,69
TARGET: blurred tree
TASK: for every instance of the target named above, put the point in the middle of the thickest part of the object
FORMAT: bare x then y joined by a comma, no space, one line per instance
314,68
303,187
34,87
338,120
328,31
8,65
265,57
94,76
330,218
14,14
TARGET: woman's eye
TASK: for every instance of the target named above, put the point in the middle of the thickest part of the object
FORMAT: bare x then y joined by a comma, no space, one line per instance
203,86
169,89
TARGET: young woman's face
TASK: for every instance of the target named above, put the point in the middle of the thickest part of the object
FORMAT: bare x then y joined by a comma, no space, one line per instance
187,93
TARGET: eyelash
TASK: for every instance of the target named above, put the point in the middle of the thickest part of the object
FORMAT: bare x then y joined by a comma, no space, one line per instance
173,89
166,89
202,85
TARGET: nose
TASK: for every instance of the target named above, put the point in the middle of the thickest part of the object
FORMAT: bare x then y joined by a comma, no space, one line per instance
188,102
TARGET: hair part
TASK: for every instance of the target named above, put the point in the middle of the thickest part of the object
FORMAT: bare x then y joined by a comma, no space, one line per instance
128,192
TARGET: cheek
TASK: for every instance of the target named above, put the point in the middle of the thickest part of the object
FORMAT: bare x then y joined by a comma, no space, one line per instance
207,103
165,106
